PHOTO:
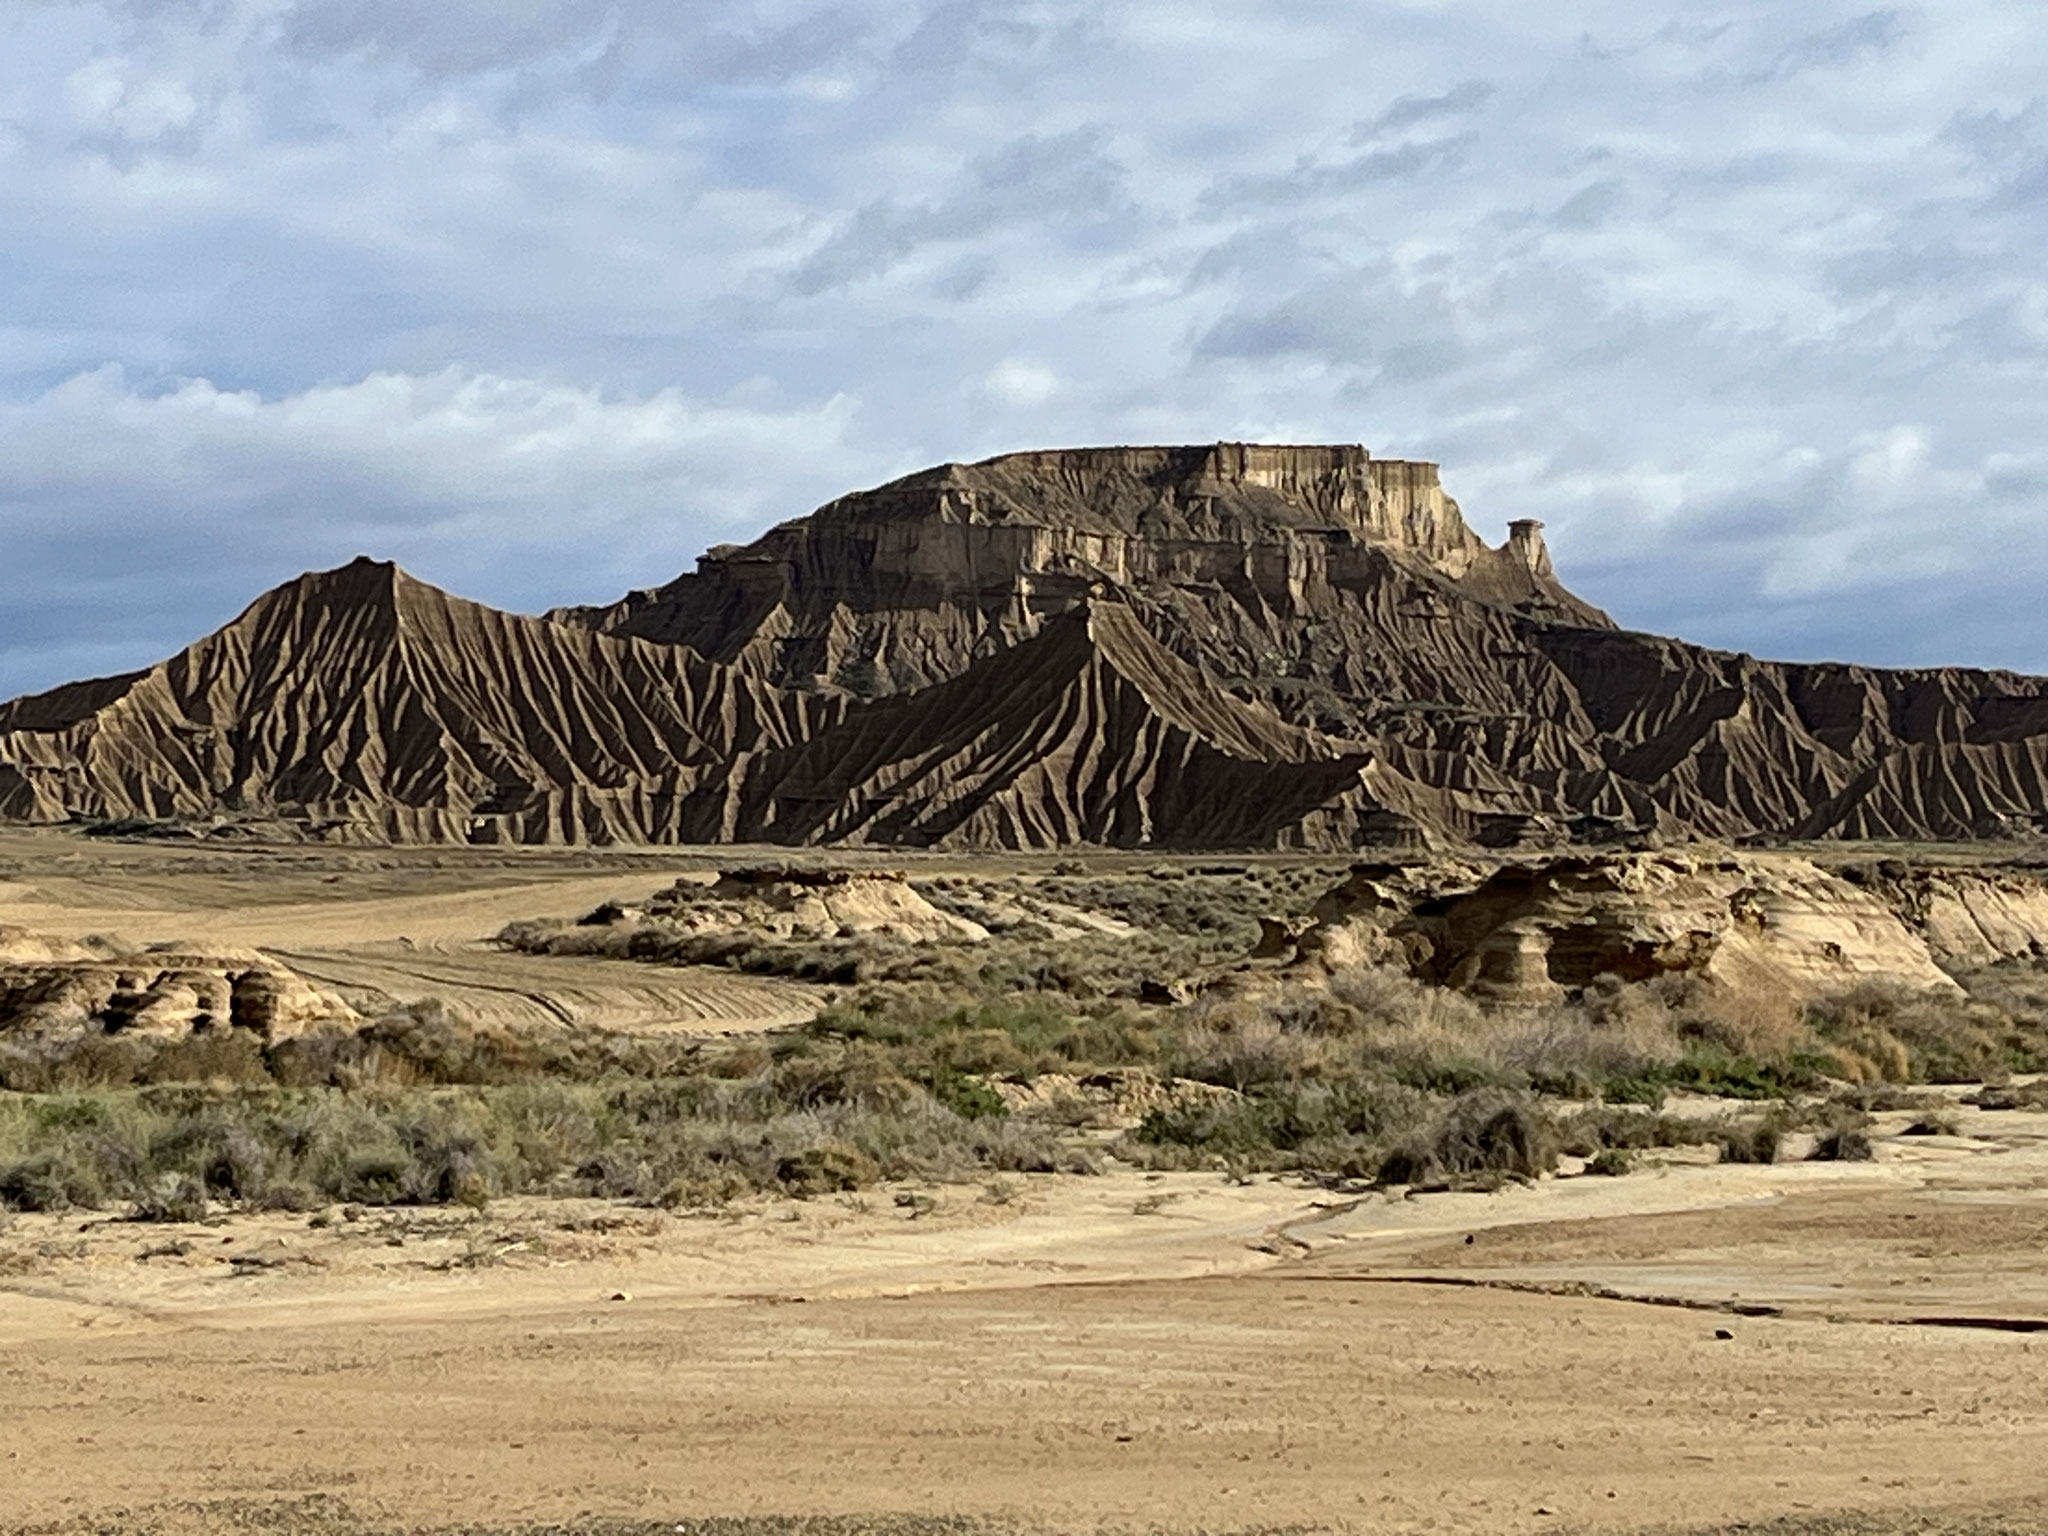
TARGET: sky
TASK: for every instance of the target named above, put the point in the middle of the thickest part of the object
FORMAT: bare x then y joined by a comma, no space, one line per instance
543,297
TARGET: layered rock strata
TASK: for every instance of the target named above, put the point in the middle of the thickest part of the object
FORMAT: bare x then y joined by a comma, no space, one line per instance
1221,646
892,589
806,904
53,989
369,705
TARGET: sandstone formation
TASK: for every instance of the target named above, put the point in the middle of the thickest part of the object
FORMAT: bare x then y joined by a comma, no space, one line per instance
888,590
53,989
809,904
1967,916
1534,932
1224,646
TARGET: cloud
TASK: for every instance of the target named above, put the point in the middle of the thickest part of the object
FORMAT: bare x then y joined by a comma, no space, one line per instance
449,37
1016,381
1843,44
525,492
544,296
1068,185
1406,111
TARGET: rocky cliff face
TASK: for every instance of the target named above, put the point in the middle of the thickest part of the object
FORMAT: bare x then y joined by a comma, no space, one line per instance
1242,546
1223,646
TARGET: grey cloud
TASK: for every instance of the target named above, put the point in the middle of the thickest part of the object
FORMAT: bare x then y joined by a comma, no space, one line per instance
777,53
1700,36
1068,182
956,35
1997,138
1590,207
1841,45
448,37
1406,111
1363,318
1311,179
955,29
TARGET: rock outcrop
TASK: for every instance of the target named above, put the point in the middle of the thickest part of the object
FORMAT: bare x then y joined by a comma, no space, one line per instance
1223,646
57,990
892,589
1347,595
1531,932
1968,916
806,904
1092,732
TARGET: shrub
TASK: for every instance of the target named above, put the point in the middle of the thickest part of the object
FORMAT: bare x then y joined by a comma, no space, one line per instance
1343,1128
1922,1037
1844,1143
56,1180
1484,1133
1750,1140
968,1097
1634,1090
826,1168
1592,1131
1710,1068
681,1141
172,1196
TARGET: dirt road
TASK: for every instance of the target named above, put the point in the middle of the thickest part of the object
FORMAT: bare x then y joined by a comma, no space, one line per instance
397,926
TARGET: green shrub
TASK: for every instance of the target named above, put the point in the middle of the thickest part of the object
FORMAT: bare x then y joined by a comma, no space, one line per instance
1647,1090
968,1097
1712,1069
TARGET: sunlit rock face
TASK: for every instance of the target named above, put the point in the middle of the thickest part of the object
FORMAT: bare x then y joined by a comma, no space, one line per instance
57,989
895,588
1531,932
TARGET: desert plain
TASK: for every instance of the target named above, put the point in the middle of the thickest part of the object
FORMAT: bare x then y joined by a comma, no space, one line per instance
1854,1344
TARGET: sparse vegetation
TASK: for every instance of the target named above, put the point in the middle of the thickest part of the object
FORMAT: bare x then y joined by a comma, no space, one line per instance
165,1152
933,1063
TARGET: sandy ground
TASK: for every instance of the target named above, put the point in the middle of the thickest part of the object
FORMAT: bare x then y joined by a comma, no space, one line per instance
394,926
1682,1349
1802,1349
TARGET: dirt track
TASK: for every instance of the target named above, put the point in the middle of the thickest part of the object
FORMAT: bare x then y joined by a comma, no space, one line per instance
395,929
521,991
